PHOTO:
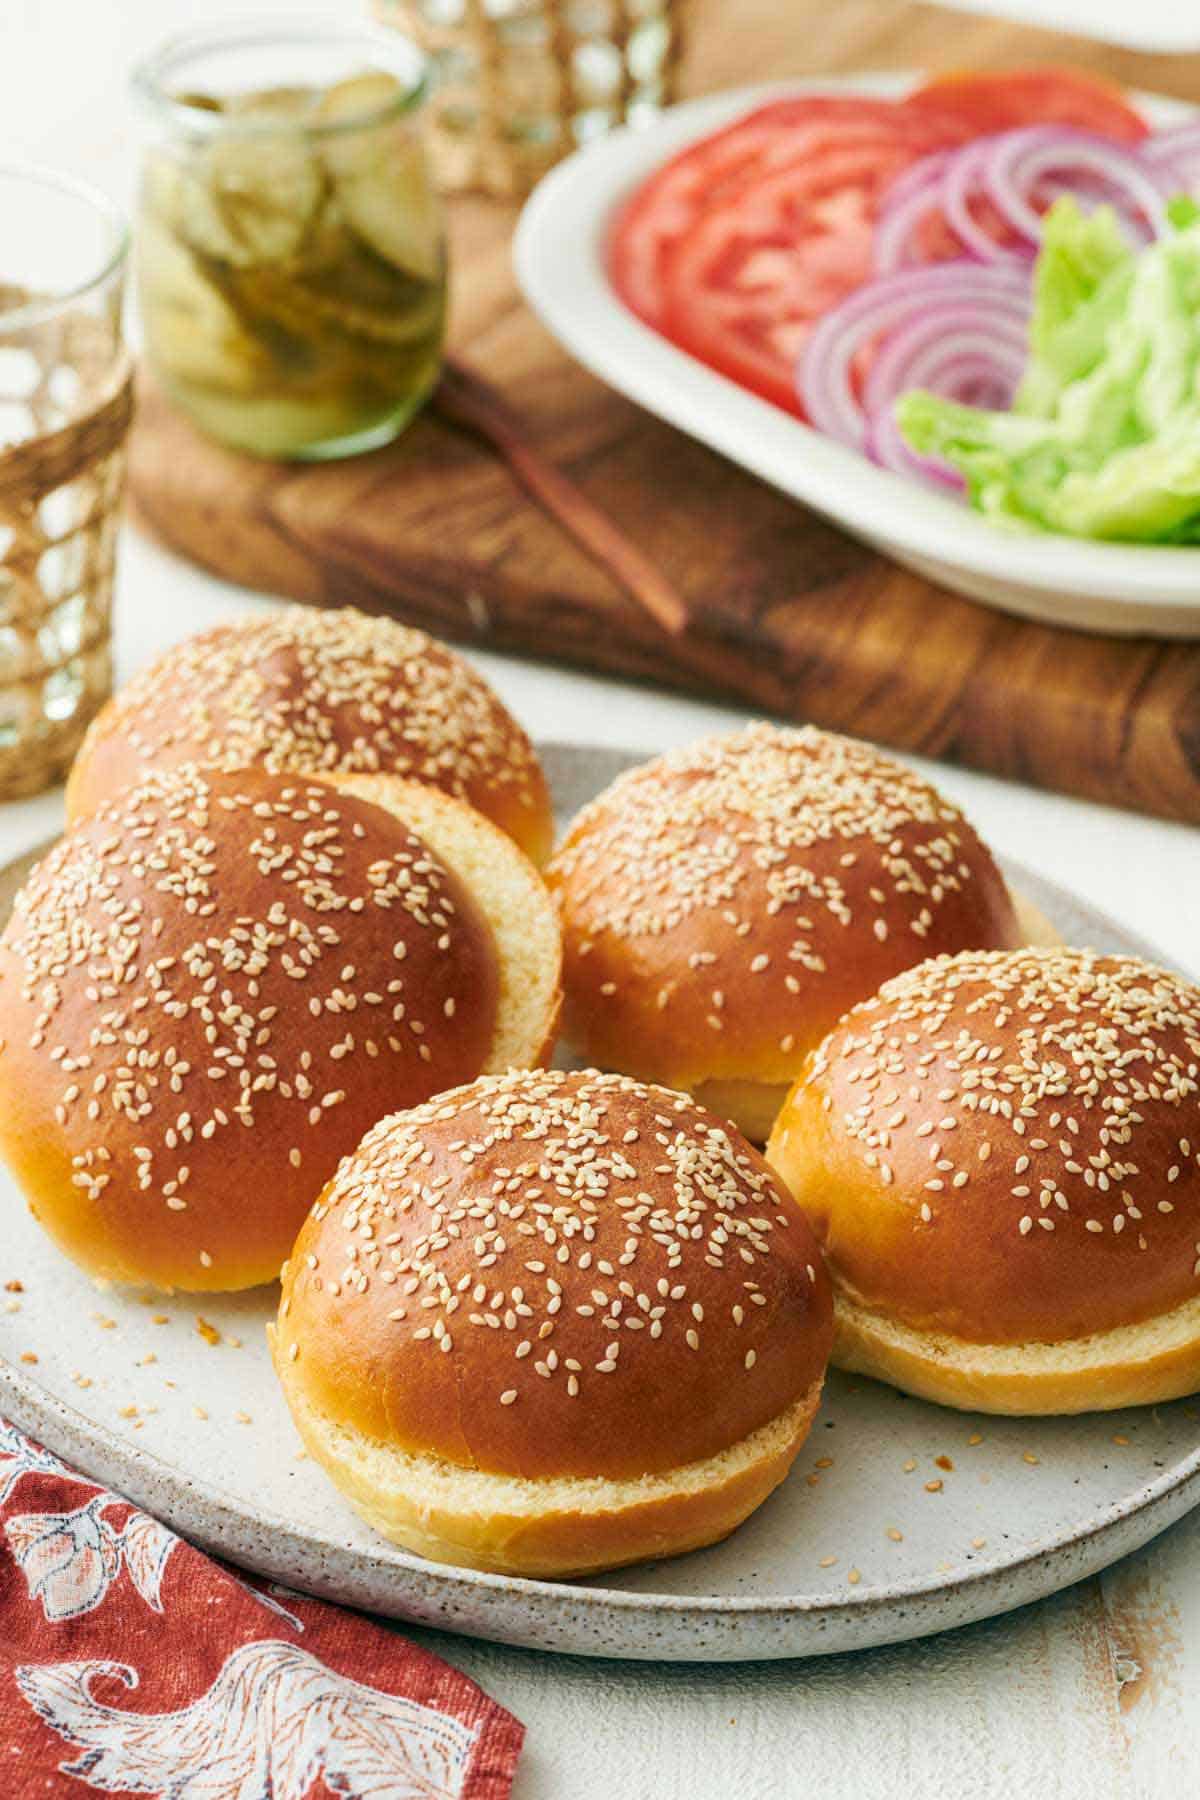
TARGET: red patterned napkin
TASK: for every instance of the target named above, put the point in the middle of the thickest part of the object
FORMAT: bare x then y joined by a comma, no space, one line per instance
131,1664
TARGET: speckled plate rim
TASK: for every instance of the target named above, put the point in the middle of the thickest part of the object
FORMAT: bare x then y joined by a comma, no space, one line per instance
537,1613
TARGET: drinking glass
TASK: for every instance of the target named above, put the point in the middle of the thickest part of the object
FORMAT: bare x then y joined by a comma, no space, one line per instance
66,398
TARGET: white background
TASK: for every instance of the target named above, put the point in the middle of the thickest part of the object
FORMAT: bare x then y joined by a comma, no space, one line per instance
1085,1696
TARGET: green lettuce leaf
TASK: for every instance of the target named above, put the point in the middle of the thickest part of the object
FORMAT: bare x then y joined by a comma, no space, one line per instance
1104,436
1080,287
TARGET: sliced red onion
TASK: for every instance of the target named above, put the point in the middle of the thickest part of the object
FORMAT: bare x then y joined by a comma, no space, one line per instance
964,293
1181,140
1019,174
1174,155
918,175
1133,224
1012,163
929,352
911,198
966,177
972,363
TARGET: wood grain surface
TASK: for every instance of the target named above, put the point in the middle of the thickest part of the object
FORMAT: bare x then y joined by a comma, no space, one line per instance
787,613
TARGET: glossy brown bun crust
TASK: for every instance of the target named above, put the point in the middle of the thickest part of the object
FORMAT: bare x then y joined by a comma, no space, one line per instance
725,904
320,693
212,987
1001,1156
563,1288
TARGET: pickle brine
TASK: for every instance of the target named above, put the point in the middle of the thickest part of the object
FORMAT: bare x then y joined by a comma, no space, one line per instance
291,268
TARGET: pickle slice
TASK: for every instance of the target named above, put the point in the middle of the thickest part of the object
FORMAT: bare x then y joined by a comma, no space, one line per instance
355,149
196,337
348,298
291,268
251,200
379,175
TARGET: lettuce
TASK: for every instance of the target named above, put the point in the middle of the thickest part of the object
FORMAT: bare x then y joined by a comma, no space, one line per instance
1104,436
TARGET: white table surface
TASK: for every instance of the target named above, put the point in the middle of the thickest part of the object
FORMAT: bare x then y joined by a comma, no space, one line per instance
1085,1697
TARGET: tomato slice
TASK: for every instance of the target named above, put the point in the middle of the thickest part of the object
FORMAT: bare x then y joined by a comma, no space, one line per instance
999,100
740,243
664,208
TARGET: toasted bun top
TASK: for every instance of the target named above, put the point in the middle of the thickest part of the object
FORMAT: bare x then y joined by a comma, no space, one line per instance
724,904
546,1274
1007,1147
208,991
331,692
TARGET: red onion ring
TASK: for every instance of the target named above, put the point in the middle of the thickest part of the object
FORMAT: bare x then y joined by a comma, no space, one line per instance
1175,155
998,295
1012,163
1173,140
1018,173
969,364
923,353
966,175
911,198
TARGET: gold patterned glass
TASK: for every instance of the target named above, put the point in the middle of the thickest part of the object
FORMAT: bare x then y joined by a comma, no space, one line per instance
65,406
518,84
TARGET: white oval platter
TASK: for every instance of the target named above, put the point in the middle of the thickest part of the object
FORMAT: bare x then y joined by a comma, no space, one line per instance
174,1403
559,258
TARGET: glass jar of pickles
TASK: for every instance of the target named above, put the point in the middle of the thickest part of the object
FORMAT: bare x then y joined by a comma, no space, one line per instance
289,254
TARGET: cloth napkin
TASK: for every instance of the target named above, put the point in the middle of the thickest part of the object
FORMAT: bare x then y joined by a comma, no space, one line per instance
130,1663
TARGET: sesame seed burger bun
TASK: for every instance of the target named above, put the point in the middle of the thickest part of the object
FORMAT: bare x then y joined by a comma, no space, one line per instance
723,906
213,986
1000,1154
552,1323
320,693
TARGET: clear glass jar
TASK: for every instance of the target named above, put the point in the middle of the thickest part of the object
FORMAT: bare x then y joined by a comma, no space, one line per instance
290,253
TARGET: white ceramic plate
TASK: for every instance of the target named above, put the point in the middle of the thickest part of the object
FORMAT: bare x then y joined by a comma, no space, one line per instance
559,260
136,1394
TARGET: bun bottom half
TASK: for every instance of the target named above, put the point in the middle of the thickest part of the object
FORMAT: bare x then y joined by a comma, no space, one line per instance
546,1528
754,1106
1133,1365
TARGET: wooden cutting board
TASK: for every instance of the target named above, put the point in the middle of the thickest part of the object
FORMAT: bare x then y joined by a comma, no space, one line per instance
787,613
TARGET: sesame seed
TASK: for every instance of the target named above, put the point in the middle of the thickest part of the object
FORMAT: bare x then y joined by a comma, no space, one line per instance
569,1214
1077,1064
778,882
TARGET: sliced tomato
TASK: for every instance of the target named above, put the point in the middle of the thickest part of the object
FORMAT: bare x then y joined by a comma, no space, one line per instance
737,245
663,210
1001,99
